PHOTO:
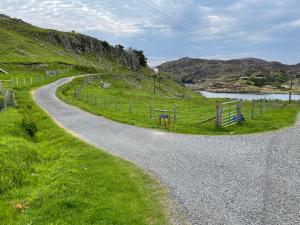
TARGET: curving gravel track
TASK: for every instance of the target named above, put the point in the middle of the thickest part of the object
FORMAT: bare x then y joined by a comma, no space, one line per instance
248,179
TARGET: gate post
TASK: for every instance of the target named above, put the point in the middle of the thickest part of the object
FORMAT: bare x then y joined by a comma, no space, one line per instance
239,112
9,100
1,87
219,115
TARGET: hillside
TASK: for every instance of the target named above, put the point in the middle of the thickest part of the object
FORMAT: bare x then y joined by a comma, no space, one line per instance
23,42
47,176
243,75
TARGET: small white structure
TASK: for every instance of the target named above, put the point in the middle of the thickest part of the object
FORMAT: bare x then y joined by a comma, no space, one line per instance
51,73
105,85
155,69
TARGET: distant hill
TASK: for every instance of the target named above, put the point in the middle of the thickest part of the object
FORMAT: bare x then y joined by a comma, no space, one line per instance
23,42
243,75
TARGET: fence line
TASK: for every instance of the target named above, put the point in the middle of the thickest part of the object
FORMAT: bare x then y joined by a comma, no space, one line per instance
129,106
230,114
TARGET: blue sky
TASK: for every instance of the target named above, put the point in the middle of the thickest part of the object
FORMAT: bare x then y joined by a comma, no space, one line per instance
170,29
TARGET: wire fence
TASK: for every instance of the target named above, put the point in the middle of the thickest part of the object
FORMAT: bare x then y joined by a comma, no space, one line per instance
17,82
7,98
162,112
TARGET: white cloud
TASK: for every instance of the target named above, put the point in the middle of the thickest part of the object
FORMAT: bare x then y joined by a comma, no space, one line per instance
110,17
295,23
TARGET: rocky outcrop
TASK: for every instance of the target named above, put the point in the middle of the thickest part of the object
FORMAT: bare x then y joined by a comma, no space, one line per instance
82,44
77,43
3,16
198,70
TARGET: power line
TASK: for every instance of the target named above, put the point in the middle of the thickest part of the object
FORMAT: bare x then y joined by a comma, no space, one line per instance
171,16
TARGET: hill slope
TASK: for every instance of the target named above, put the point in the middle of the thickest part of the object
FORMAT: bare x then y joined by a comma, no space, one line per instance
23,42
228,75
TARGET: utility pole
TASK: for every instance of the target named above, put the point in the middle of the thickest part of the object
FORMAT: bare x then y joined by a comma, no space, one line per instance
156,73
291,84
154,83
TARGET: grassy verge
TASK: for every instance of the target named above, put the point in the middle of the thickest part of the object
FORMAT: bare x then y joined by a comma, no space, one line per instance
128,100
53,178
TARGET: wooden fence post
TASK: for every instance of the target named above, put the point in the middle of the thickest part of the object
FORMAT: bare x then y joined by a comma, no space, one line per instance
252,110
9,100
219,115
239,112
105,103
130,108
116,105
175,113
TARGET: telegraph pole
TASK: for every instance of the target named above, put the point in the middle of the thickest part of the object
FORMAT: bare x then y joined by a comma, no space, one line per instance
154,83
156,73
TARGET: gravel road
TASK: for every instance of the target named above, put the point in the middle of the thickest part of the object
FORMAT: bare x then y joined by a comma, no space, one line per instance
248,179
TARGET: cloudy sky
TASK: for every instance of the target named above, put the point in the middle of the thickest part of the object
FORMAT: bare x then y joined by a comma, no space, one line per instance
169,29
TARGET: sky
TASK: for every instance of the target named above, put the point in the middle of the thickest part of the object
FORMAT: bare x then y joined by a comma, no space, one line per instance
171,29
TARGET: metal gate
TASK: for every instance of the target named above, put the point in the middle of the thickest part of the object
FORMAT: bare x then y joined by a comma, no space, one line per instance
228,113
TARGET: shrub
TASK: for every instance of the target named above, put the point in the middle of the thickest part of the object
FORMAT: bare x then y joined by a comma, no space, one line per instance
29,126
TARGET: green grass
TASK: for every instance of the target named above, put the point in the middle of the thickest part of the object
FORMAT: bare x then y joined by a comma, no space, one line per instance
137,90
54,178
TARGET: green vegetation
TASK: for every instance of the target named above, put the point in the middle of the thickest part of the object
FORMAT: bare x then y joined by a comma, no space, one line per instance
49,177
128,100
46,180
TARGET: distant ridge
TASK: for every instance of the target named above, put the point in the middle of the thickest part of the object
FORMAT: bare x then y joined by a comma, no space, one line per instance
221,74
4,16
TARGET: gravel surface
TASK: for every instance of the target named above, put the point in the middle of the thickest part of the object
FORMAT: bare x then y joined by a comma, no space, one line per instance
247,179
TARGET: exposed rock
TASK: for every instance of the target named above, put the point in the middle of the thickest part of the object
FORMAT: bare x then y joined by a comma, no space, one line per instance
76,43
214,72
80,44
3,16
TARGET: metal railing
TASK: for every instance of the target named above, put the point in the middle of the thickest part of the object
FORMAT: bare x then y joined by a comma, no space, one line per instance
228,113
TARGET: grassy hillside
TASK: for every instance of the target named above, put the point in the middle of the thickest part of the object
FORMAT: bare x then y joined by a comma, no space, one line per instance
130,98
45,180
46,175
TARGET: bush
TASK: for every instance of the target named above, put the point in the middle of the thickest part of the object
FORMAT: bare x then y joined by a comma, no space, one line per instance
86,69
29,126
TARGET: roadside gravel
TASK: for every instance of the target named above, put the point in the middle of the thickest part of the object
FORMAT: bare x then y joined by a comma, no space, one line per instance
247,179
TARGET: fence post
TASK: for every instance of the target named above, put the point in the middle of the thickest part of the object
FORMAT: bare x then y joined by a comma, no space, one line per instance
9,99
219,115
239,112
175,113
261,107
116,105
130,108
252,110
